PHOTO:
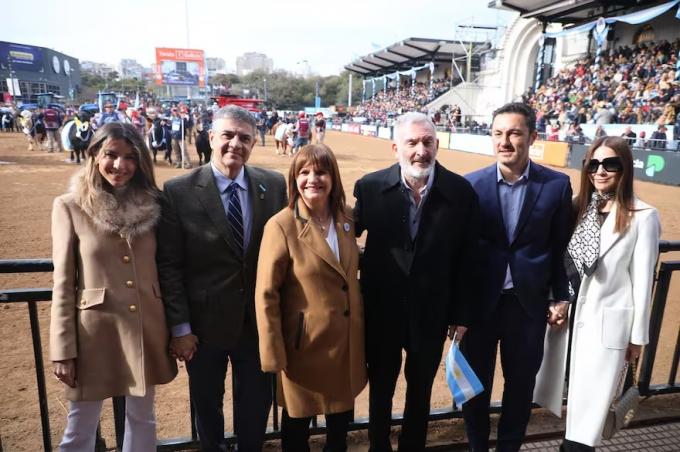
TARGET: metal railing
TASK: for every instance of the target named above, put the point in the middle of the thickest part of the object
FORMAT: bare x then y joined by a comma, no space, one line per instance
32,296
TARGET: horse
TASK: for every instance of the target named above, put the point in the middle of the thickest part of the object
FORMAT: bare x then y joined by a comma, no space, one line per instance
202,144
159,139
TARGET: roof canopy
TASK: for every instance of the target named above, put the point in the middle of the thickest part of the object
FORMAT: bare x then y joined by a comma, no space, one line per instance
410,53
570,11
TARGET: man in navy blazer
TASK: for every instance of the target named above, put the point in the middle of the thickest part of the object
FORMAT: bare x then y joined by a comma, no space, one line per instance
524,231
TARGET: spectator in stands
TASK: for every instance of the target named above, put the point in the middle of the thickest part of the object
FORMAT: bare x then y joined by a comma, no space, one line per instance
629,135
310,316
658,139
600,132
641,141
613,251
106,301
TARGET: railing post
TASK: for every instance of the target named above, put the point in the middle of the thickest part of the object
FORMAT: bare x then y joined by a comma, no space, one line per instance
40,375
674,366
658,306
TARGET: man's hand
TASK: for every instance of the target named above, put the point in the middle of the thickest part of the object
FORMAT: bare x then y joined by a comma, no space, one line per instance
456,330
65,371
633,352
557,313
183,347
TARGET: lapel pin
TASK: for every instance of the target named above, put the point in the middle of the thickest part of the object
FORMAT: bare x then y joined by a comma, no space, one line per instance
262,190
346,227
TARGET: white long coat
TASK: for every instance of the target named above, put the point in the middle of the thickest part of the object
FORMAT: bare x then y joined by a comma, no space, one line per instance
612,310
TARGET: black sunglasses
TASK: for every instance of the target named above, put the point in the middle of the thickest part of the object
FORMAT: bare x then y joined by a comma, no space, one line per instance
610,165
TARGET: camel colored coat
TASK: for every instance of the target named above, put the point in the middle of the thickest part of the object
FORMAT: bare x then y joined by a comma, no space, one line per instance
310,315
107,312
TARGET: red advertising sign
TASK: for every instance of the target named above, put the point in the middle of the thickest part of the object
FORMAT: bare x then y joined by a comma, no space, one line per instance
180,67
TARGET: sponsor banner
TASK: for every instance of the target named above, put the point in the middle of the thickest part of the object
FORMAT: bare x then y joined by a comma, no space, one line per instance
21,57
654,166
354,128
336,127
444,138
553,153
369,131
477,144
385,132
180,67
345,127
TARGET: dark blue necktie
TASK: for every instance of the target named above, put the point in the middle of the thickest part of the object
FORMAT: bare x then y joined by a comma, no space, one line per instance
234,214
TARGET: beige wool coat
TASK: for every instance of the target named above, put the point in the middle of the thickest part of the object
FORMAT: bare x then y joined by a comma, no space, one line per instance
310,315
107,312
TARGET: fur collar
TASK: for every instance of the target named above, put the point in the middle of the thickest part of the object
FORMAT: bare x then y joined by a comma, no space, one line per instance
129,214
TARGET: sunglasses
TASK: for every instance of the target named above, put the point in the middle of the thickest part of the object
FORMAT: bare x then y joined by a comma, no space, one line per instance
610,165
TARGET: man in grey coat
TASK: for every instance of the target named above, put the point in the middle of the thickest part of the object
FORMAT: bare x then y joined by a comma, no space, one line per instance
208,244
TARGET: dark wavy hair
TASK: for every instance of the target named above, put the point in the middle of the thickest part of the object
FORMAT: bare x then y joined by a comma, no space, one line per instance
521,109
624,196
320,157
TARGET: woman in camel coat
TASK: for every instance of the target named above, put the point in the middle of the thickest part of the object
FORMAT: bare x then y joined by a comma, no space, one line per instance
310,316
108,335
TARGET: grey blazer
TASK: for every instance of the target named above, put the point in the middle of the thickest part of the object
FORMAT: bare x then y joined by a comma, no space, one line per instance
203,279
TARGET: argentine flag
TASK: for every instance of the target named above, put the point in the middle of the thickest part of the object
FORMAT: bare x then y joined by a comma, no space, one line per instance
461,379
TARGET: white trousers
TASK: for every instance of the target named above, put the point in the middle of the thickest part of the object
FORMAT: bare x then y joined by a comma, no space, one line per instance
140,425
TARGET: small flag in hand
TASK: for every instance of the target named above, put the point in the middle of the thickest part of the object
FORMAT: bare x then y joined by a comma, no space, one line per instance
460,377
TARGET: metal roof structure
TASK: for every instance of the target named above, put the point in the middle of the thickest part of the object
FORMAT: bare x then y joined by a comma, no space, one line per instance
410,53
570,11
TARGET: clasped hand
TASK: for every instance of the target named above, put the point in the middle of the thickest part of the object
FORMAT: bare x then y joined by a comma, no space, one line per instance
183,347
557,313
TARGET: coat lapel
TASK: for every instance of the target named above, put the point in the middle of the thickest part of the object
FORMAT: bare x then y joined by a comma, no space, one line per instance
607,234
395,205
209,197
312,238
534,187
346,241
257,196
490,203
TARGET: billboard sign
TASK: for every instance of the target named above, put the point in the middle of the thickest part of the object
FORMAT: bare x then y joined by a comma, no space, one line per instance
180,67
21,57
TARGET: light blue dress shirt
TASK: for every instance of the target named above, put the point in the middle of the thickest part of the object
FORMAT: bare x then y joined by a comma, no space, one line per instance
511,197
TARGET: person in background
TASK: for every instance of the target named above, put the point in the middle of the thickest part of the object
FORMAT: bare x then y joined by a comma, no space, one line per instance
310,316
613,250
319,128
108,335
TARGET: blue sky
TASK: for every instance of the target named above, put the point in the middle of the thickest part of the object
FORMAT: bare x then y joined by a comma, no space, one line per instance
327,35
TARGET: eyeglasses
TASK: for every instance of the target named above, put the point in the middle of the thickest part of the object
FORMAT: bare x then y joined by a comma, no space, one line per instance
610,164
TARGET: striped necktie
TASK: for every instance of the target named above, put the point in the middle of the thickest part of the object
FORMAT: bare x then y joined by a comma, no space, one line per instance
234,214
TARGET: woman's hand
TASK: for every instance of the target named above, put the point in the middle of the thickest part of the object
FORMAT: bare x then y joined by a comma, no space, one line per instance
633,352
65,371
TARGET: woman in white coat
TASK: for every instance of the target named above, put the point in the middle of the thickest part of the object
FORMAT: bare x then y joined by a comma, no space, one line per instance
614,249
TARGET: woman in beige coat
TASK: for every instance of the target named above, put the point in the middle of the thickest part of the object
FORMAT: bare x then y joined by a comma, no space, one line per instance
108,335
310,316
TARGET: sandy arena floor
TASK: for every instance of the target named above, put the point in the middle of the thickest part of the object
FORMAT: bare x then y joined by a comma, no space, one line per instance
30,180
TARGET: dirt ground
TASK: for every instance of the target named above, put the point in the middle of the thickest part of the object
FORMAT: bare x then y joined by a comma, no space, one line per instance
29,181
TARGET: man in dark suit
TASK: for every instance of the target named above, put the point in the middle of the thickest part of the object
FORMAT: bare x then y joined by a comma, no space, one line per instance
422,225
208,243
525,216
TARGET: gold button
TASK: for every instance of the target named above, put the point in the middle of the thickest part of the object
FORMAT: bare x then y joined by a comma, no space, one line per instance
83,302
126,259
132,308
130,284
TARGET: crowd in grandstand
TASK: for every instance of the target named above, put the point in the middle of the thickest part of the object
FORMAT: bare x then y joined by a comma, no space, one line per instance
631,85
391,102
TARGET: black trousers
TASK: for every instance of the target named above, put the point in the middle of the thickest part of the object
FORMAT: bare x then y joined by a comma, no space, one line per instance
521,342
295,432
251,393
573,446
384,356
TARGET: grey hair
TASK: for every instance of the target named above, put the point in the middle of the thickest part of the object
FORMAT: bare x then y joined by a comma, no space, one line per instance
234,113
412,117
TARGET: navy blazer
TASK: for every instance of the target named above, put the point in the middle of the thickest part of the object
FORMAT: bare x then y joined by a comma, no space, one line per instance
535,253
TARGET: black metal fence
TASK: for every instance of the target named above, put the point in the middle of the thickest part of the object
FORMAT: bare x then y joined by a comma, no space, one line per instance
32,296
